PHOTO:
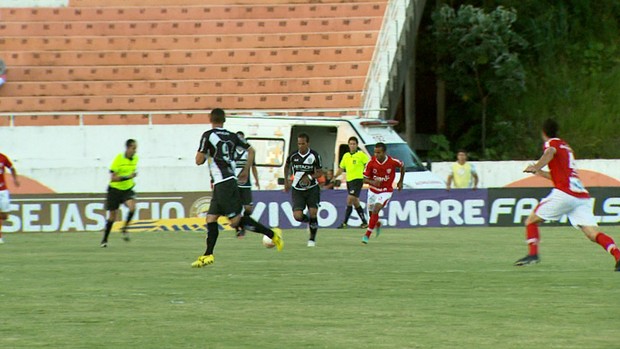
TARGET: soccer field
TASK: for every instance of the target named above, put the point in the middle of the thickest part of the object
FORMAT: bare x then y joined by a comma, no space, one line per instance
414,288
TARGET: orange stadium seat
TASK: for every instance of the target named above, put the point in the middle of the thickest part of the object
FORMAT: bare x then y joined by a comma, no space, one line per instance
192,27
183,87
185,54
117,3
186,57
172,102
156,72
201,12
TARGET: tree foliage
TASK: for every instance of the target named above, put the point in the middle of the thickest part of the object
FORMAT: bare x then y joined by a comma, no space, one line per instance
478,54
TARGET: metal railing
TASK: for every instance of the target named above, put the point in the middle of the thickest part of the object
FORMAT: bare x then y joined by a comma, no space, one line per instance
385,53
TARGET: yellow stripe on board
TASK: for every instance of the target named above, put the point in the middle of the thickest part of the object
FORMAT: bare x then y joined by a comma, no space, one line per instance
171,224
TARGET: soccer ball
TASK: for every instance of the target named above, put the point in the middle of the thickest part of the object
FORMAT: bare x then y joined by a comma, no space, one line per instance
267,242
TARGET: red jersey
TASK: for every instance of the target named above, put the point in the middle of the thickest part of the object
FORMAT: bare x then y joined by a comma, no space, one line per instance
384,172
563,169
4,163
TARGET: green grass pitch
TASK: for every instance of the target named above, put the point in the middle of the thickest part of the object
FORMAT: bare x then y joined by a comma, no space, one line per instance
413,288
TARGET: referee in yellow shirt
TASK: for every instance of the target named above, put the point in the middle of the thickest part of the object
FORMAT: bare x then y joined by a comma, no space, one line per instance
353,163
120,190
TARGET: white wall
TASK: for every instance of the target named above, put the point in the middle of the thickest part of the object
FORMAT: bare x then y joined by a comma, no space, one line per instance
73,159
497,174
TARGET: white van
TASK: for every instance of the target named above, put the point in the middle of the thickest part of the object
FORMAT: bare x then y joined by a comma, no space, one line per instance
275,138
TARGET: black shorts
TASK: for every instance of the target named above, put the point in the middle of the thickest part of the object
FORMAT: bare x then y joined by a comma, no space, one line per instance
116,197
246,196
354,187
303,198
226,199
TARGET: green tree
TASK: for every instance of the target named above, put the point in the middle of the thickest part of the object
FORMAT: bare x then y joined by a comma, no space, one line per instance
477,54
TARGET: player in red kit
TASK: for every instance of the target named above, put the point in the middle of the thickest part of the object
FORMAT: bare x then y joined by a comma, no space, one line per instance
568,197
380,173
5,199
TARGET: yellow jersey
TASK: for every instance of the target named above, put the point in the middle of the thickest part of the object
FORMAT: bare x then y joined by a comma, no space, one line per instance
354,164
462,175
123,166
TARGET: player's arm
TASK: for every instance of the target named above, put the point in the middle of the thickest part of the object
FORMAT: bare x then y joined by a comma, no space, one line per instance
15,176
116,178
449,181
402,176
542,162
243,175
255,174
371,182
287,174
339,172
200,158
341,167
201,154
318,167
543,174
474,175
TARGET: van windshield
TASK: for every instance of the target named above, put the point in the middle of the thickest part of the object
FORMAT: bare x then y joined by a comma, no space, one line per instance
402,152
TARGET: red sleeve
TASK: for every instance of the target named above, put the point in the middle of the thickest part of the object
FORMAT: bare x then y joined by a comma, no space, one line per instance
6,161
397,162
367,170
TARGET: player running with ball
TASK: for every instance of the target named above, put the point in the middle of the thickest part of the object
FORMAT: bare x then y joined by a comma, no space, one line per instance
380,173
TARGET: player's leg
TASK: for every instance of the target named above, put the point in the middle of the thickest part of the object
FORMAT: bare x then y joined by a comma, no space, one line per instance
222,194
246,222
108,226
113,202
298,198
4,208
212,233
374,206
583,218
349,209
313,197
357,189
532,237
131,205
379,201
248,207
3,217
551,208
605,241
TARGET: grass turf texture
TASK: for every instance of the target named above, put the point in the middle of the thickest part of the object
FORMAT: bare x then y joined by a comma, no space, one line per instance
415,288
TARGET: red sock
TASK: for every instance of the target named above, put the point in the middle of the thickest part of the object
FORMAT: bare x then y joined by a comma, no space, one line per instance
609,245
532,238
372,223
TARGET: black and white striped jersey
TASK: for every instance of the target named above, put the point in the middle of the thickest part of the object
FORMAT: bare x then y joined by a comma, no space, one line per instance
241,158
304,164
219,146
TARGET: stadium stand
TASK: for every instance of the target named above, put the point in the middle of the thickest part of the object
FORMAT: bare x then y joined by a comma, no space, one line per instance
185,54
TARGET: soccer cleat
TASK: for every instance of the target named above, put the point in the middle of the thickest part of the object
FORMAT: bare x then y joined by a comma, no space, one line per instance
203,260
527,260
125,236
240,234
277,238
364,225
378,229
618,265
311,243
364,239
342,226
104,244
